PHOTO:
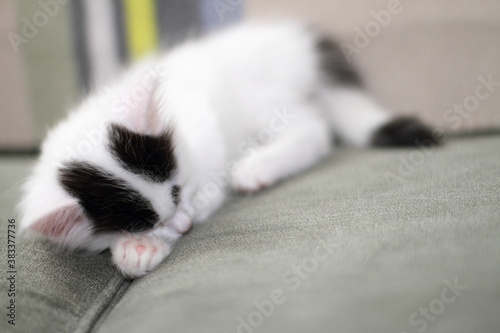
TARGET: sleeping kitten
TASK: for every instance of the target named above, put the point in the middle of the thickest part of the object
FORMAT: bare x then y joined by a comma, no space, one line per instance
138,162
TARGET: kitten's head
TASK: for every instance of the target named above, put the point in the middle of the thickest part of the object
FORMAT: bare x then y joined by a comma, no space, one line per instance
129,181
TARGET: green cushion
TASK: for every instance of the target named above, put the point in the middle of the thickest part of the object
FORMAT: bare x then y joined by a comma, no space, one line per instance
368,241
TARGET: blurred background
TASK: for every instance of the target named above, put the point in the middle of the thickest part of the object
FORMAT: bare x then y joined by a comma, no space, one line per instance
436,58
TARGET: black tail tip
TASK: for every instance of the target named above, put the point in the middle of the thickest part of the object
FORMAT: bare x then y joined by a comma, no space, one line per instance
404,132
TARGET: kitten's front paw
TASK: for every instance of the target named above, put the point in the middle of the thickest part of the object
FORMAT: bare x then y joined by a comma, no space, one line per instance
181,222
251,175
135,255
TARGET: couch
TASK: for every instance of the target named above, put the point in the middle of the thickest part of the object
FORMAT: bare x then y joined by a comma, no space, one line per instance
368,241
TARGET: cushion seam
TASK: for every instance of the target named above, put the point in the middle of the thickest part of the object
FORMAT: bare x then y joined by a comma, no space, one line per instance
88,321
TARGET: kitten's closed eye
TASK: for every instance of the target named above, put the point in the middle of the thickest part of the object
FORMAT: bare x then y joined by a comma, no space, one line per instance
176,191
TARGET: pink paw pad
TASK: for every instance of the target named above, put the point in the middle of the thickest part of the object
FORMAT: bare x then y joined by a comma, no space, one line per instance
135,256
140,249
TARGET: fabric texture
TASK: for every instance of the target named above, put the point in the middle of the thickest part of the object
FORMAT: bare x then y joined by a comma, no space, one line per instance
430,58
368,241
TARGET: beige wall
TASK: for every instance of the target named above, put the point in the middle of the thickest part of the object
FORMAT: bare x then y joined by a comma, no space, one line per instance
428,57
16,125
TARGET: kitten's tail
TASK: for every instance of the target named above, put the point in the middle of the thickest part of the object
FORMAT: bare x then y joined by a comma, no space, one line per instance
354,116
359,121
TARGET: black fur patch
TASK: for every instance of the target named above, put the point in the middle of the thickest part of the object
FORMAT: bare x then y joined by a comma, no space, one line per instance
334,63
149,156
404,132
110,203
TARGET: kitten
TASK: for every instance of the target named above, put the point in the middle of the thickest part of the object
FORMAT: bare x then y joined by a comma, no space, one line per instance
138,162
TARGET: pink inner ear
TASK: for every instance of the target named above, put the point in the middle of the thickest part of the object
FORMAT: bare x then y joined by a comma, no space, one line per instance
143,113
60,222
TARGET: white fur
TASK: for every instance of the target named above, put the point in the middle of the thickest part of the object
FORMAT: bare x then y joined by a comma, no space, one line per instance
355,116
248,107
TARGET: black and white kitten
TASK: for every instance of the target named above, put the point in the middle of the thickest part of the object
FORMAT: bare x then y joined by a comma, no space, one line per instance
138,162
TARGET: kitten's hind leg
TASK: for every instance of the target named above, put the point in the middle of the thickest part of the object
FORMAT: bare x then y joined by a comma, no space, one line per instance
300,145
136,255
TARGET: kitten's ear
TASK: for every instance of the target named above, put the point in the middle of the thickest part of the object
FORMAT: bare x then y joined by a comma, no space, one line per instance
140,106
65,225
